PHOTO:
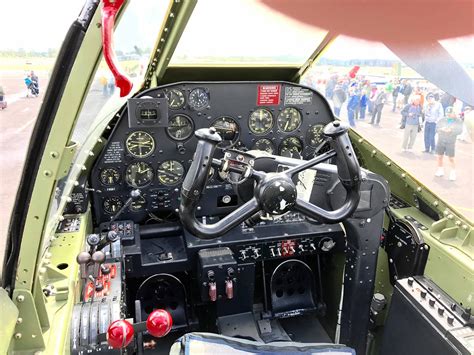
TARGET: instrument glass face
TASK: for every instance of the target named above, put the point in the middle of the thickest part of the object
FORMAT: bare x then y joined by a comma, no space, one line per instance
228,129
314,136
170,172
260,121
109,176
112,204
176,99
291,145
264,145
140,144
139,174
198,99
289,120
180,127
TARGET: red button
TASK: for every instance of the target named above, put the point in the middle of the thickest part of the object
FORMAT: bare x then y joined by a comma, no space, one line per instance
159,323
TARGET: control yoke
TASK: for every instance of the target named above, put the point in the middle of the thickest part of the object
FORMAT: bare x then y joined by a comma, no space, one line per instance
275,193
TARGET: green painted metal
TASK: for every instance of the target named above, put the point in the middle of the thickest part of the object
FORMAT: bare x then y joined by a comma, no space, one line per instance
451,258
9,320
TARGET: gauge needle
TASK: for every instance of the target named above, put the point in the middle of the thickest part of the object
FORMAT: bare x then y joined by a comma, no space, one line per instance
286,125
169,173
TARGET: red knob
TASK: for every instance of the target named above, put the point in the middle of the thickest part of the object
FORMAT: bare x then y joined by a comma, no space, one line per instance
159,323
120,334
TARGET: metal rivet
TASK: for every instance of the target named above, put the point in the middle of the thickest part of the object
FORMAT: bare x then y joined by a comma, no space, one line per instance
465,227
435,203
18,336
388,163
418,189
404,175
458,223
47,173
19,320
361,140
450,216
20,298
54,155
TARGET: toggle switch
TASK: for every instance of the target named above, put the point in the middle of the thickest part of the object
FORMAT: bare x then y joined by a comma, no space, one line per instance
229,289
212,291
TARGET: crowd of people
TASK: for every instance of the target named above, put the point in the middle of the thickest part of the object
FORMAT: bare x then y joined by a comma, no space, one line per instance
422,108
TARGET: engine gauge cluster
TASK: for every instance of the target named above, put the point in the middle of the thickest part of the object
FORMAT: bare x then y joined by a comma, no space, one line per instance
152,145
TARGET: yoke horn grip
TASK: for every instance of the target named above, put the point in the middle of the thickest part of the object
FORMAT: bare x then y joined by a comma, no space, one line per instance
347,164
196,178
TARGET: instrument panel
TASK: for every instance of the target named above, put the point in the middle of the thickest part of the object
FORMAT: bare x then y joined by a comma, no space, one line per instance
152,145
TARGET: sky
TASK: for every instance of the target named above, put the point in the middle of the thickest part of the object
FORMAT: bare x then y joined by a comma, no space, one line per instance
263,32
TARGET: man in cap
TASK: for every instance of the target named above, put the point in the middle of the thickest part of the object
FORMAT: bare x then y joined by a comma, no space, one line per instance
433,113
448,128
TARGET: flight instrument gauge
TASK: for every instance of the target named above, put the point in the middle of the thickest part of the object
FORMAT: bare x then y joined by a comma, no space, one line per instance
112,204
260,121
170,172
176,99
198,99
228,129
314,136
180,127
109,176
264,145
138,205
140,144
289,119
139,174
291,145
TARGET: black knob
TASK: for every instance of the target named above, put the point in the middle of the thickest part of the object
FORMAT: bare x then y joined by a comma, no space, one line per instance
432,302
466,314
423,293
93,239
99,287
450,320
410,281
440,311
453,307
104,269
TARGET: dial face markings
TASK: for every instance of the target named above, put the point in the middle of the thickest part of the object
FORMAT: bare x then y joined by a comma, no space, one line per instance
109,176
170,172
139,174
112,204
314,136
140,144
228,129
176,99
198,99
289,120
290,145
180,127
138,205
264,145
260,121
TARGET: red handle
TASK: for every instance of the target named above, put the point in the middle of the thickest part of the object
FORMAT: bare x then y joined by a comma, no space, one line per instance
109,11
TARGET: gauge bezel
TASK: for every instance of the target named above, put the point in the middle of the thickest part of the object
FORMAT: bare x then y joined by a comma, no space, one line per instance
190,101
288,138
299,115
264,139
168,100
180,139
140,156
114,183
127,174
130,208
308,135
236,139
110,198
173,184
266,131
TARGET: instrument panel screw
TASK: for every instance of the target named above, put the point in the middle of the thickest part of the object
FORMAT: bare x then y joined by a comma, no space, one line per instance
418,189
389,163
360,140
19,320
20,298
54,155
458,223
446,212
450,216
18,336
404,175
47,173
464,226
436,203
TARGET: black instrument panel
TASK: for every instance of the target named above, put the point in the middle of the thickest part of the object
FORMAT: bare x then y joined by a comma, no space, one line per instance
152,145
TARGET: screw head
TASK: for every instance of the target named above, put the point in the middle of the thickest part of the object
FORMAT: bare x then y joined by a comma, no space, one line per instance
20,298
18,336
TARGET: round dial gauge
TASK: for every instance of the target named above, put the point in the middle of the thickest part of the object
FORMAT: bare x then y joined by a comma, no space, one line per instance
140,144
264,145
290,145
170,172
139,174
198,99
260,121
180,127
175,98
289,119
109,176
138,205
112,204
314,136
228,129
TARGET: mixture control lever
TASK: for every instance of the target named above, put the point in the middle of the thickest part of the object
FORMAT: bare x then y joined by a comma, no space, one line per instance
134,195
109,238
